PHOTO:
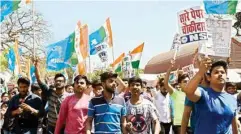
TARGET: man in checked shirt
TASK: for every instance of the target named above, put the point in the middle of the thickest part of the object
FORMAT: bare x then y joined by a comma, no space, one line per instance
54,97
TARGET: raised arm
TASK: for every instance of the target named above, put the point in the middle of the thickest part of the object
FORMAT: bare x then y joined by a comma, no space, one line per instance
191,89
121,85
167,85
43,86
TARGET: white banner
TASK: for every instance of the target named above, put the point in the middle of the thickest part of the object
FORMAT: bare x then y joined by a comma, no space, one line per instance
192,26
189,70
219,39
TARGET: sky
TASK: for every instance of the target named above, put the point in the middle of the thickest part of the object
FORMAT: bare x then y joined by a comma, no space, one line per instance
132,22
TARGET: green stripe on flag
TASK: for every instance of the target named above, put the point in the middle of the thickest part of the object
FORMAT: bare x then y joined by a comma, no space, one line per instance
118,69
16,4
232,5
102,33
135,64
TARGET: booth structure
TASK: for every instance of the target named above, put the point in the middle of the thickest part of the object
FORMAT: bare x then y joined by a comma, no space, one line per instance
161,62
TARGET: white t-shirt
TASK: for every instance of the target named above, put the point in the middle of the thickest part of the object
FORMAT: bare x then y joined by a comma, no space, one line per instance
163,105
141,116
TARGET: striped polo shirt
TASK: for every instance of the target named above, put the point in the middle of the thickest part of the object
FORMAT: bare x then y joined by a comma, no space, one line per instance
54,102
107,116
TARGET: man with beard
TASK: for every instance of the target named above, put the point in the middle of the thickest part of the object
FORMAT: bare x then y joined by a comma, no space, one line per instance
54,97
73,111
140,111
25,109
107,110
162,101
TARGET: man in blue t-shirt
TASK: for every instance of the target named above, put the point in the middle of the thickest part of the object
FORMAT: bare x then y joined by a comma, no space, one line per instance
215,109
108,110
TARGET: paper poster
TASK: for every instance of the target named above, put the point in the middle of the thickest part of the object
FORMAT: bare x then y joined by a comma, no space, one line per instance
219,39
192,25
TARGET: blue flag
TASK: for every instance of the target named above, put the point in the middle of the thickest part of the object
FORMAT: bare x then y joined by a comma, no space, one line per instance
32,74
220,6
11,59
8,6
96,38
58,54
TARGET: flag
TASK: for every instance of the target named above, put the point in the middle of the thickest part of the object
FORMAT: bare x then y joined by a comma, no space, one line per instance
17,69
58,54
220,6
84,37
117,64
32,74
81,69
11,59
8,6
136,56
102,35
81,47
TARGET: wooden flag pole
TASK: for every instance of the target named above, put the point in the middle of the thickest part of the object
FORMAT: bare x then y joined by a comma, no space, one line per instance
33,14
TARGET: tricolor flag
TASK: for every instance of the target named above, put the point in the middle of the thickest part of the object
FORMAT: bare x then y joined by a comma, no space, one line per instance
17,69
8,6
220,6
84,40
117,64
81,49
102,35
136,56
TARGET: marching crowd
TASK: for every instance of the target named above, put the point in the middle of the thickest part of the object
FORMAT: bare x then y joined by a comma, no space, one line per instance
204,104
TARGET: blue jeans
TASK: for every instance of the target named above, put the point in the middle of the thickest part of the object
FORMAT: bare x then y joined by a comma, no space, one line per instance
7,132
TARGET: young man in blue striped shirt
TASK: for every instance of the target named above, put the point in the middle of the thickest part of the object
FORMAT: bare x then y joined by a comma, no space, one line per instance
107,110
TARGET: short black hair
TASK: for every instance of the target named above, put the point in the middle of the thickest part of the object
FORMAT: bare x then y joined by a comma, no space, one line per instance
68,85
4,94
59,75
125,79
23,80
106,75
135,79
35,87
218,63
161,81
144,82
78,77
96,83
230,84
182,77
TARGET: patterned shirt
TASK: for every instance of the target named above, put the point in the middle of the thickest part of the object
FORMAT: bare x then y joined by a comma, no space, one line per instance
54,102
141,116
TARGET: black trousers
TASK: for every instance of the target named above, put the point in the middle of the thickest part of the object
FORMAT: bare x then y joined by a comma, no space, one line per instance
165,128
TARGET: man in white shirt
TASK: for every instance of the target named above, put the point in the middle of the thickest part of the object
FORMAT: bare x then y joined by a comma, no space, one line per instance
162,101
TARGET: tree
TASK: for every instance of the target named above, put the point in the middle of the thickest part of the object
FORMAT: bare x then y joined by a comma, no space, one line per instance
237,24
28,28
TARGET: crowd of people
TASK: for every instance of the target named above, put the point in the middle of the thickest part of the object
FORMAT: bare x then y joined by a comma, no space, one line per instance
204,104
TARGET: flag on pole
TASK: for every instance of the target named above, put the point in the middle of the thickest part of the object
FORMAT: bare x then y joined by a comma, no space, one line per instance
11,59
32,74
102,35
58,54
84,37
9,6
117,64
81,48
220,6
136,56
17,69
